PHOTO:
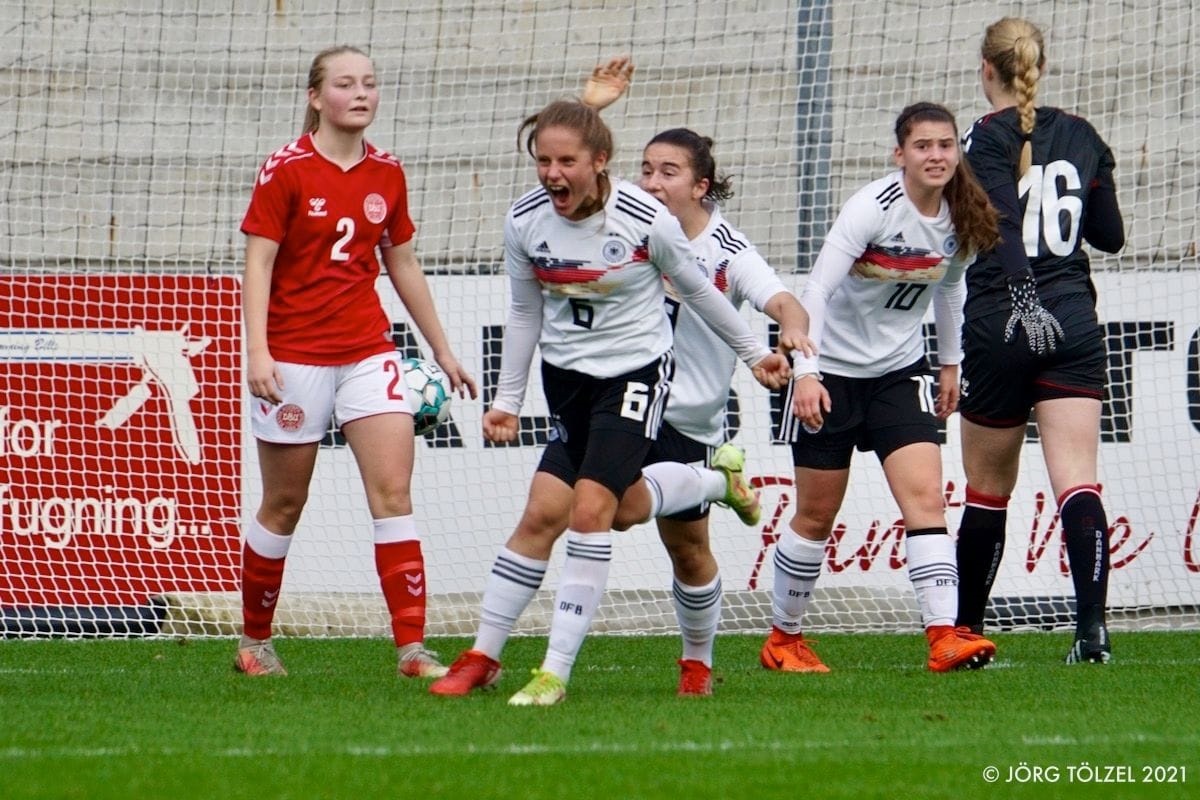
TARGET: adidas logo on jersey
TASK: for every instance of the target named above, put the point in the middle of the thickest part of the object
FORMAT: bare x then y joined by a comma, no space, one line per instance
544,247
898,238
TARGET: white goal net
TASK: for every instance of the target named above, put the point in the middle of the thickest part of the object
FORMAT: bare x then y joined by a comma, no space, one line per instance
133,130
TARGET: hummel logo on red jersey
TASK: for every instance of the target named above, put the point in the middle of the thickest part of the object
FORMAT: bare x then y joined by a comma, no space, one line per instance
316,207
544,247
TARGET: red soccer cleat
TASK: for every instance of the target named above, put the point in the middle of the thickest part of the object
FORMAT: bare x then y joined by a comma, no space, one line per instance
695,678
471,670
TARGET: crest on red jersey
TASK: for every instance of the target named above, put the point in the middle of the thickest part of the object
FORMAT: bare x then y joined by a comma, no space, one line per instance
375,207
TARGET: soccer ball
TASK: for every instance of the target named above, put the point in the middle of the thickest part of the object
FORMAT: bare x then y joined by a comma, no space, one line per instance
428,392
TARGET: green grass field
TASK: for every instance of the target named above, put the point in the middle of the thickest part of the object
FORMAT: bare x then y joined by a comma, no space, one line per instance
169,719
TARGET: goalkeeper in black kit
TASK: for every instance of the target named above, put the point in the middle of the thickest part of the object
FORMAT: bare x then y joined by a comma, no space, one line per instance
1031,337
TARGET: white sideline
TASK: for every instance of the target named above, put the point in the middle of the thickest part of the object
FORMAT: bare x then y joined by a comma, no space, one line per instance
536,749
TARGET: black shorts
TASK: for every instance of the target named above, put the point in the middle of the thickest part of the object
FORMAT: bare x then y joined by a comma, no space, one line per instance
671,445
881,414
607,425
1002,381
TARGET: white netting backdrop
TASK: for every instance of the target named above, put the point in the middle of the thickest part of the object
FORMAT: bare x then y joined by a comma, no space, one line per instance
134,130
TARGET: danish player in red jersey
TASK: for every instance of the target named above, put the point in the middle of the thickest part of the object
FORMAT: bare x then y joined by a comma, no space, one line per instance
319,346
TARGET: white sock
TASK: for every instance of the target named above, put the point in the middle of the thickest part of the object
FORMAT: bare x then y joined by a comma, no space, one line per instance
934,574
584,574
797,567
698,609
389,530
676,487
266,543
510,587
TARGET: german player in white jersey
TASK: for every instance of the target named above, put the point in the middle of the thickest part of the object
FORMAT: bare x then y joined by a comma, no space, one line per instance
898,245
677,161
587,255
319,346
677,168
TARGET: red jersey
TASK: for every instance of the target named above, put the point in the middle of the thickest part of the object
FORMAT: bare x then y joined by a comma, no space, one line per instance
324,308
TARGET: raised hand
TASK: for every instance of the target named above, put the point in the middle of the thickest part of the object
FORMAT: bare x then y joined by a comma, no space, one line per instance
608,82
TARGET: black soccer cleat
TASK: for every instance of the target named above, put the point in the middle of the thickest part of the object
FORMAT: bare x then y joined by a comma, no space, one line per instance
1091,649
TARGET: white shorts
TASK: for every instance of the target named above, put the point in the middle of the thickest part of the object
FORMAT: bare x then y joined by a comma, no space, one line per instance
313,395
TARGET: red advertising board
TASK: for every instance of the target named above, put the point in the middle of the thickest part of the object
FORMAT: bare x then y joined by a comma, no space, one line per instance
120,437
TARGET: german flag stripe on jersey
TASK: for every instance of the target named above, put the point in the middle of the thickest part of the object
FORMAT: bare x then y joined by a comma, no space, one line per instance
900,258
559,270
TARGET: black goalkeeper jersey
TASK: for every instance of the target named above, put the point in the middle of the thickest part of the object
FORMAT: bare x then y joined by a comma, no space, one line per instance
1047,209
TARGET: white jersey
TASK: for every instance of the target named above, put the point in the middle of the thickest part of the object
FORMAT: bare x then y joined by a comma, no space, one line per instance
704,363
590,292
881,265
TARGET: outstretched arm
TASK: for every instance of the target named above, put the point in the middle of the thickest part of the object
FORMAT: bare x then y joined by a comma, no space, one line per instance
784,308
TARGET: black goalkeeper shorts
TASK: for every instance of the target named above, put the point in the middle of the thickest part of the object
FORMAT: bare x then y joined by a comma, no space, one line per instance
1002,381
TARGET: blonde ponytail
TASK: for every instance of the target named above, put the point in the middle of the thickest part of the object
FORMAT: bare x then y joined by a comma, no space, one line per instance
1017,51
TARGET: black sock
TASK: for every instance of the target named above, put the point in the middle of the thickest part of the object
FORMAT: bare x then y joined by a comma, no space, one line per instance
980,547
1085,530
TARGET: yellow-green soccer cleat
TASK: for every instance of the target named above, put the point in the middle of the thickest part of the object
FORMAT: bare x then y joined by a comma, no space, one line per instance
739,494
546,689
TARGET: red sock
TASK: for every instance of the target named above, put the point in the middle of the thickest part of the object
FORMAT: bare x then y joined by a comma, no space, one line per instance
401,570
261,579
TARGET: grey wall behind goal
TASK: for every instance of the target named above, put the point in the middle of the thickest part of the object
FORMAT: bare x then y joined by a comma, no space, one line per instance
133,129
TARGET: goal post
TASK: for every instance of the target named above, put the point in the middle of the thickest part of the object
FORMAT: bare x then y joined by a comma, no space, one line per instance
127,469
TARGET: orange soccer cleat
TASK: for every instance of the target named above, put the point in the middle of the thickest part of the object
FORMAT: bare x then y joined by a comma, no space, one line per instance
789,652
950,649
